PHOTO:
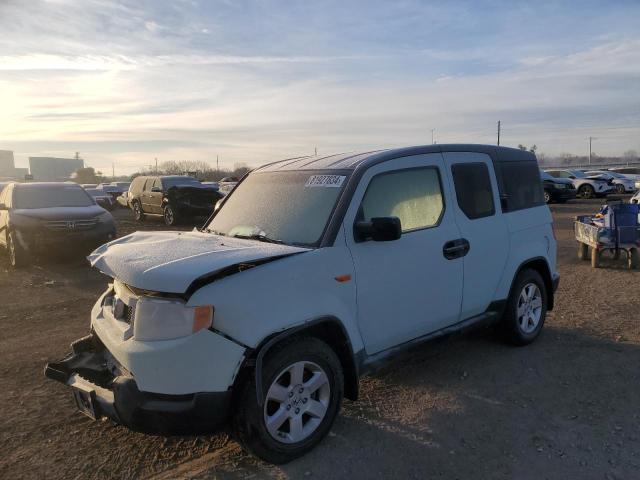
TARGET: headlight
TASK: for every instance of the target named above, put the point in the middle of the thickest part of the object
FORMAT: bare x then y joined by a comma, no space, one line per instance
163,319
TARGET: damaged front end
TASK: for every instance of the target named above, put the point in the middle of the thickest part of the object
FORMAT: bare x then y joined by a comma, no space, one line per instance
104,389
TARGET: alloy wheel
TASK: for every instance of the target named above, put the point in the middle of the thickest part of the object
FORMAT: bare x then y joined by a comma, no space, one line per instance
529,308
297,402
168,216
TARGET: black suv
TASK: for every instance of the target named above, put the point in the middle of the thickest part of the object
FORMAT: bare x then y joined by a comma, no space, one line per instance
176,198
557,189
38,218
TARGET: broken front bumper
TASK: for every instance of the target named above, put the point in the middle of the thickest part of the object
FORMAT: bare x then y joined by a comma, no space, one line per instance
102,388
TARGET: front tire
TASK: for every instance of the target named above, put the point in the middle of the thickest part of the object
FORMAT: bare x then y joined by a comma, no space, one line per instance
547,196
620,188
586,191
169,216
303,386
526,309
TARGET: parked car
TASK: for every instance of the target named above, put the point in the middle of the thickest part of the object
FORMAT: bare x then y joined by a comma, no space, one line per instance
112,190
557,189
227,184
629,172
102,198
89,185
621,183
37,218
175,198
258,314
124,186
586,186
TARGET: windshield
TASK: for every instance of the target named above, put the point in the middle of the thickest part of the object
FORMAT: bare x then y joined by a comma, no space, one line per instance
53,196
180,181
290,207
577,173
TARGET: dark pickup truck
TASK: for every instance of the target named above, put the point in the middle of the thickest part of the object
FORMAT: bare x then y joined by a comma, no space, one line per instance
176,198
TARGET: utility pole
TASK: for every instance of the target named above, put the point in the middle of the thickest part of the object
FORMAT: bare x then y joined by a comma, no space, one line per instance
316,152
217,163
590,140
156,165
432,142
113,170
498,132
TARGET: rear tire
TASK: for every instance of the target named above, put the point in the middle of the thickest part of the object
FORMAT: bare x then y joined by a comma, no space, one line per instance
633,258
583,251
526,309
595,257
547,196
620,188
586,191
137,211
287,406
17,256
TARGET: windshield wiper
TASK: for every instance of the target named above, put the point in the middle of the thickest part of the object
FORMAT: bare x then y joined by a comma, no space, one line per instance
260,238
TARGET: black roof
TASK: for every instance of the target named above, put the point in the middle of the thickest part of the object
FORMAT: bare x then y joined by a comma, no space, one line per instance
351,161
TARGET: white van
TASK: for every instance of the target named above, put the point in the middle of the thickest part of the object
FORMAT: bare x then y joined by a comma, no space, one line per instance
312,270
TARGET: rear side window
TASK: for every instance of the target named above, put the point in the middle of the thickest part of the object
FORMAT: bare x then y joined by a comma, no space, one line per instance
137,184
149,184
413,195
522,185
473,189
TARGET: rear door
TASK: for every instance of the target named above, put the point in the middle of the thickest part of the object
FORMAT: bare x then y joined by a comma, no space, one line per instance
480,220
156,196
406,288
147,196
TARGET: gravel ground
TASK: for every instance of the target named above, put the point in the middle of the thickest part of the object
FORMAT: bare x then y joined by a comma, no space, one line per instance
467,406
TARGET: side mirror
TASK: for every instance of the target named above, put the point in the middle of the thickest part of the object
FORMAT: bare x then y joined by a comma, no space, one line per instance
156,189
572,177
379,229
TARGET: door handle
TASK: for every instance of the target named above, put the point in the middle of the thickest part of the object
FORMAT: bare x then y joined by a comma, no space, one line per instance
456,248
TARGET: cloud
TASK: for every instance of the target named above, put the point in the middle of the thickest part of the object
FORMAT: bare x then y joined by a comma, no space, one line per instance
126,83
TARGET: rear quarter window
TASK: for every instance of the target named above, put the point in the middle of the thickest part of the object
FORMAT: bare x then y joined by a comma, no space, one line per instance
522,187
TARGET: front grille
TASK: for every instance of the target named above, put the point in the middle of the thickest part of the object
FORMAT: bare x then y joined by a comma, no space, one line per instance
128,314
72,225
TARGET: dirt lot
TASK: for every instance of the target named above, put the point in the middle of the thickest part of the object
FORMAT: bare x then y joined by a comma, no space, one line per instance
567,406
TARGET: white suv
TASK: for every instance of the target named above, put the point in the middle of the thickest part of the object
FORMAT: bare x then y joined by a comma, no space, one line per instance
311,271
587,186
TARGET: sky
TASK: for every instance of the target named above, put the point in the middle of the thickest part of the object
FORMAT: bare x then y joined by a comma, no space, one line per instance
124,83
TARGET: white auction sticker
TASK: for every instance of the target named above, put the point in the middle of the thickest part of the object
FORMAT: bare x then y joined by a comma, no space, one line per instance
325,181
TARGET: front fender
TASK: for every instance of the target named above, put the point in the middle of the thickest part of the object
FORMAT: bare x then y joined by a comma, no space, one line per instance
258,302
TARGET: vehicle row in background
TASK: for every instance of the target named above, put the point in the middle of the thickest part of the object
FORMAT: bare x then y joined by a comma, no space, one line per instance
587,186
45,218
176,198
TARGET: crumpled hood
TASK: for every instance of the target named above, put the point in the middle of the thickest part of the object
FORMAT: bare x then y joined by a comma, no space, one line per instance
170,261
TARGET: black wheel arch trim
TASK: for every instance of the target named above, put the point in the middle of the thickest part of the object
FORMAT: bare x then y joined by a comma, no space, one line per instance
345,354
550,281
